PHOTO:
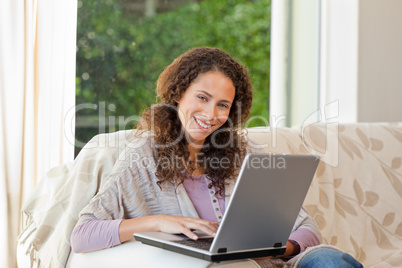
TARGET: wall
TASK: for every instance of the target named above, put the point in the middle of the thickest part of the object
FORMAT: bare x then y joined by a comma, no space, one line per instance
358,74
380,61
361,59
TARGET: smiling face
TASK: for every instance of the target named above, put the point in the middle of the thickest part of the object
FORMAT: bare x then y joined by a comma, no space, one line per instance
205,106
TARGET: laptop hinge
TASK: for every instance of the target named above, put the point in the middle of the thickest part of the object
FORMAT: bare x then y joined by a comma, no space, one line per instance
222,250
278,245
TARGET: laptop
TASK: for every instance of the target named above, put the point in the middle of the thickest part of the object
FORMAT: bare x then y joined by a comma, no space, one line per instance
266,200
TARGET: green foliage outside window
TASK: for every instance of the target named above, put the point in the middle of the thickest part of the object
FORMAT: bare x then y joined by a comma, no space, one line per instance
120,55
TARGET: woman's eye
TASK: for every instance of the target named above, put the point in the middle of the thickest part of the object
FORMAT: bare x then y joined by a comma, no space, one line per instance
202,98
224,105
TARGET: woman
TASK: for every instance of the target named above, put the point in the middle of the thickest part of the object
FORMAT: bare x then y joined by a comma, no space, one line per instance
165,184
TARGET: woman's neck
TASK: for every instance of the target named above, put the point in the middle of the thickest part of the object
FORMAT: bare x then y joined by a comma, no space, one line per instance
193,151
195,160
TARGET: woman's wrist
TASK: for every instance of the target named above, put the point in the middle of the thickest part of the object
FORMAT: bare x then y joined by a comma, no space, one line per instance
292,248
136,225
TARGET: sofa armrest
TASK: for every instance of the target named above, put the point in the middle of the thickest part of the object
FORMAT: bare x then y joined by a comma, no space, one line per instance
136,254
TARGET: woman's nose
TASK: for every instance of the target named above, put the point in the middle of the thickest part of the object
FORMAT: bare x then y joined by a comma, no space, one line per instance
211,112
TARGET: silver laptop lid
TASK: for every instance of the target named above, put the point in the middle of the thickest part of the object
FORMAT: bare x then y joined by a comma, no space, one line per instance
265,202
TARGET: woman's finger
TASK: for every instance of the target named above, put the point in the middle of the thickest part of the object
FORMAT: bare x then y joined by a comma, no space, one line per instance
187,232
208,228
211,225
186,225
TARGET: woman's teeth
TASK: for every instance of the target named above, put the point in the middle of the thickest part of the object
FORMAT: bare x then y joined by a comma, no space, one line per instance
201,123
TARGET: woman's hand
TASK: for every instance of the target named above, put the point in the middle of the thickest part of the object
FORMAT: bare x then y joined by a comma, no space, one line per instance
167,224
186,225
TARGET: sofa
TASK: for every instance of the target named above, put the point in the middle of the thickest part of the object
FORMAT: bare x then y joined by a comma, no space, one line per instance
356,194
355,197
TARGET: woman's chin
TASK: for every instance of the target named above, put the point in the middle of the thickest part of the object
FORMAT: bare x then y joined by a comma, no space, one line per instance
197,138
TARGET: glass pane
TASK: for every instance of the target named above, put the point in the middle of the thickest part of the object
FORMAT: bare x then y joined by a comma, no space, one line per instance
123,46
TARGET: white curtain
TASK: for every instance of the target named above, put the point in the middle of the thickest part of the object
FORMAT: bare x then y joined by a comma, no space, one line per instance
37,91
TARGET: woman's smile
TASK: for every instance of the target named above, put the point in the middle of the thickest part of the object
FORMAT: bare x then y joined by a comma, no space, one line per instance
202,124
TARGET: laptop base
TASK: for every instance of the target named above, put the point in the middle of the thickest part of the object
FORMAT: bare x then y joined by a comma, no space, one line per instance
215,257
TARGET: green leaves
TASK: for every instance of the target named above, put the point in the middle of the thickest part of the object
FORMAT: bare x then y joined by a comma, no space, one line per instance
121,54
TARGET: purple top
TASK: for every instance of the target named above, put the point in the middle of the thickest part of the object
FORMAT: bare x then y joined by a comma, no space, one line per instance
210,206
95,234
304,238
99,234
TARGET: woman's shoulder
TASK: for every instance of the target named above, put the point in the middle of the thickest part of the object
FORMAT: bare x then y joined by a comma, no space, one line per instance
134,163
137,147
140,141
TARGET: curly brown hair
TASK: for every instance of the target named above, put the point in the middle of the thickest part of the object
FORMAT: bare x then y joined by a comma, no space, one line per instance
171,153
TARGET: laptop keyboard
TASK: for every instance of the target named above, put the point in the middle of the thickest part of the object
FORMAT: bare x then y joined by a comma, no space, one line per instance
201,243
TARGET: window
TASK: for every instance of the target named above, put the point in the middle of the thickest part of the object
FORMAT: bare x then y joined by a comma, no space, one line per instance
123,45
